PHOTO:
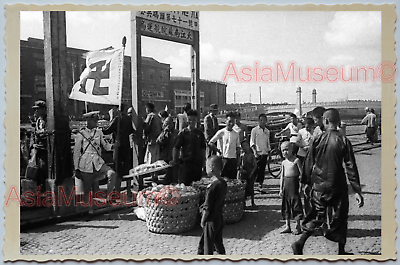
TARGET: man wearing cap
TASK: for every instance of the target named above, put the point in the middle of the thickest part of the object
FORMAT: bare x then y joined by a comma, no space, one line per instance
122,151
370,121
88,163
210,127
39,144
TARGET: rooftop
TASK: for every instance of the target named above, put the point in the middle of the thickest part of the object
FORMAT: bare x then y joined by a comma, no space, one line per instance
185,78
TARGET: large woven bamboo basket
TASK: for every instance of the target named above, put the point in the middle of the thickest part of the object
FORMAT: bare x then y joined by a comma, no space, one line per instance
233,209
172,219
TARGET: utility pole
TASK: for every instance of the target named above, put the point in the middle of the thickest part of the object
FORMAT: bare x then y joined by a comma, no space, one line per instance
234,98
298,91
260,95
250,97
55,59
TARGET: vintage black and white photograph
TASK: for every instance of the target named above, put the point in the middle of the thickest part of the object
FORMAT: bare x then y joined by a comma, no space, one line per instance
170,133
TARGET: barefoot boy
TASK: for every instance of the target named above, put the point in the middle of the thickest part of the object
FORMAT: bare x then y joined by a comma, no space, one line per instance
323,171
292,207
212,219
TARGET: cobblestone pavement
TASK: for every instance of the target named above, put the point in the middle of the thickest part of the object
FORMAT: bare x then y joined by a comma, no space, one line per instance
256,234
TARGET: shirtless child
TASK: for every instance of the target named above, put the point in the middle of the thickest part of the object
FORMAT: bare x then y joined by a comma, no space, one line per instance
290,189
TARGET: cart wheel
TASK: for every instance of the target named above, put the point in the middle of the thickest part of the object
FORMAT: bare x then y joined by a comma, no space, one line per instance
274,163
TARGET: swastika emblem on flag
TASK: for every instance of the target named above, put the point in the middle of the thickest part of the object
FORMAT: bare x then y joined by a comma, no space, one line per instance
98,73
101,81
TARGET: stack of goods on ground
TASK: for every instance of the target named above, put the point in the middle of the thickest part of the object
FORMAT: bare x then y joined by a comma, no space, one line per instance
233,209
170,209
146,179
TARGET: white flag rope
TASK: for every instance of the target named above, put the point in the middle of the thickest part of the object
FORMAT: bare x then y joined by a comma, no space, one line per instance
101,81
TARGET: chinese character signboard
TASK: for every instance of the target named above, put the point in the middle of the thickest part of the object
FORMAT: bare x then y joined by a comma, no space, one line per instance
175,26
166,30
182,19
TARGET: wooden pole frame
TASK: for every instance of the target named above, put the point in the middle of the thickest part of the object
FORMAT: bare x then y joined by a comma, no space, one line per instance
136,63
55,54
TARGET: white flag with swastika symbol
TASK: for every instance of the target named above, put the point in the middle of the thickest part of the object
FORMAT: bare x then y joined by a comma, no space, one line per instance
101,81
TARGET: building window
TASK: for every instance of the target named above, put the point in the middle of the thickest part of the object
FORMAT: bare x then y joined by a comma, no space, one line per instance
163,75
40,64
152,94
152,73
37,55
40,83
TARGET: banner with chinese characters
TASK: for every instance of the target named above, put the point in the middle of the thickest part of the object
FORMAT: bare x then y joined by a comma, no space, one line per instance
166,30
181,19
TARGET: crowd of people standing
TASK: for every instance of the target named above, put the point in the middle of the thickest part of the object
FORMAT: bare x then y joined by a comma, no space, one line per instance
319,159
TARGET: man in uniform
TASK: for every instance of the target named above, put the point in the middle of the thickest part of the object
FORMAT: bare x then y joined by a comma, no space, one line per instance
39,146
122,151
323,171
88,163
210,127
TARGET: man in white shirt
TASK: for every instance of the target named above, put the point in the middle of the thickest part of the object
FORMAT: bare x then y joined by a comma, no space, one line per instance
260,143
182,118
241,129
229,146
291,130
304,138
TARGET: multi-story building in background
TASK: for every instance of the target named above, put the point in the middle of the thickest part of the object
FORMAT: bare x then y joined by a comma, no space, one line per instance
156,84
211,92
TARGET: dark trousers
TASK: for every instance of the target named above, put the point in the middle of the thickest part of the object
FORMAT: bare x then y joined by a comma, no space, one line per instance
41,161
125,161
334,227
171,175
260,171
212,236
190,171
229,168
210,152
371,134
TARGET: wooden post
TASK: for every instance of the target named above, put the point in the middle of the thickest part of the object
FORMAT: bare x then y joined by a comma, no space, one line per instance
136,68
55,55
195,76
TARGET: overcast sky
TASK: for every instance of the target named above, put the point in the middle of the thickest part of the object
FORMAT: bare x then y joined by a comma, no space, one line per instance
307,39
